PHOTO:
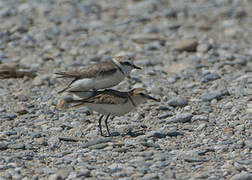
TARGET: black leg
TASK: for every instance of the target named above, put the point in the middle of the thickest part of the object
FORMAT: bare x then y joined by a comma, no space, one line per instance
106,123
100,127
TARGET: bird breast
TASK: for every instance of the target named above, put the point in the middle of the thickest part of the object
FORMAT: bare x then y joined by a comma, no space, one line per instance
112,109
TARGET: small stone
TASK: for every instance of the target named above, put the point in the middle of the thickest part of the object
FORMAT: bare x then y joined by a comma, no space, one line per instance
48,171
62,104
203,48
201,126
240,127
3,146
184,117
178,102
2,110
153,46
228,105
165,108
186,45
21,111
242,176
158,135
211,96
10,133
35,134
55,177
194,60
83,173
170,13
96,141
16,146
248,143
174,133
195,159
150,176
99,146
148,144
163,135
115,167
204,25
22,97
160,157
41,141
41,79
204,151
206,108
232,32
9,117
200,118
64,173
3,167
209,77
165,115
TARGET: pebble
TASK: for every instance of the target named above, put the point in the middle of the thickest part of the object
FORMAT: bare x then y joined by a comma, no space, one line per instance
242,176
48,171
186,45
163,135
165,108
195,159
165,115
201,126
96,141
83,173
211,96
209,77
16,146
55,177
8,117
150,176
178,102
3,146
204,151
99,146
248,143
199,118
184,117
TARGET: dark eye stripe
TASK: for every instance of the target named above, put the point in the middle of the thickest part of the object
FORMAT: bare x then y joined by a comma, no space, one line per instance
126,63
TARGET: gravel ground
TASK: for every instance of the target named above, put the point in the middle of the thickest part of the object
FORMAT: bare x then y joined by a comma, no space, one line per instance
196,56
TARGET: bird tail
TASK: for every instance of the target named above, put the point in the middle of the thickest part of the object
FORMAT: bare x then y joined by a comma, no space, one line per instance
63,90
68,86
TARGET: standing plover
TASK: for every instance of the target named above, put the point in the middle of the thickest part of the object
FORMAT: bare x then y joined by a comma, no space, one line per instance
116,103
98,76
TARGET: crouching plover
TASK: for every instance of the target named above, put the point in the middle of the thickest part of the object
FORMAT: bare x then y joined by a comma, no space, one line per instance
111,102
98,76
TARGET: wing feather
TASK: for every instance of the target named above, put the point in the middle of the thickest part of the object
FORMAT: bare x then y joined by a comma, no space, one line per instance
106,97
92,71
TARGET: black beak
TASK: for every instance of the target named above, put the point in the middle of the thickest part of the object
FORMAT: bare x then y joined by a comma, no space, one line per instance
136,67
152,98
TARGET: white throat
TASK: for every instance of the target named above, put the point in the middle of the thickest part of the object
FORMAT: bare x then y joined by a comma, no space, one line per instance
125,70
